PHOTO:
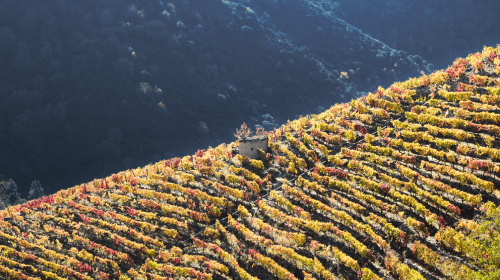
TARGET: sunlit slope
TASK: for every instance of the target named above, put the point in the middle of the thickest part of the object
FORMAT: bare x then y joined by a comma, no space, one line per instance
400,184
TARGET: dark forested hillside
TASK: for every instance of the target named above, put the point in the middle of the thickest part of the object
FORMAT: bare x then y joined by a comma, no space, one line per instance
439,30
93,87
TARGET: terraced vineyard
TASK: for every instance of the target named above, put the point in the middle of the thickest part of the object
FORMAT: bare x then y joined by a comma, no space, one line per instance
400,184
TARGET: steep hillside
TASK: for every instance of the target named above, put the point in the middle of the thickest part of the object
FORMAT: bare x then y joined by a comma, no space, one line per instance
89,88
438,30
400,184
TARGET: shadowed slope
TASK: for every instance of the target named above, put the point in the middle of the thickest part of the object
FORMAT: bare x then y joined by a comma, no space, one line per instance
394,185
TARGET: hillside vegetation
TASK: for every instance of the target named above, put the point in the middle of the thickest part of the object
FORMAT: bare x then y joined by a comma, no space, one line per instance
90,88
399,184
